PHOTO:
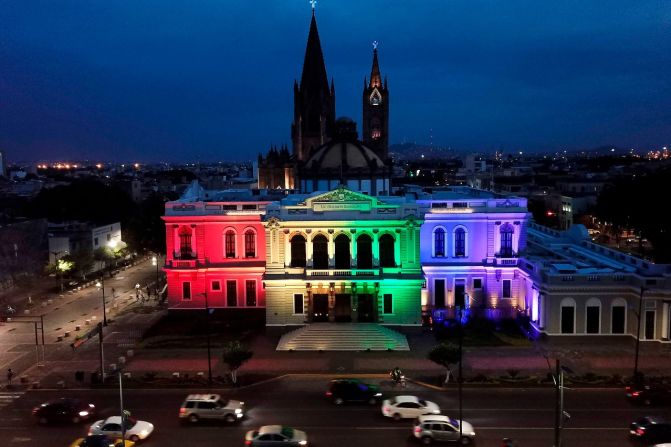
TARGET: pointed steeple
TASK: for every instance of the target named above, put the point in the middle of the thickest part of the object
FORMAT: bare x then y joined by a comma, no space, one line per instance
375,78
314,70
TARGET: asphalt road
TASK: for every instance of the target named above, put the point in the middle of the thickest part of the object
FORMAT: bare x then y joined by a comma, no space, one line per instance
599,417
17,340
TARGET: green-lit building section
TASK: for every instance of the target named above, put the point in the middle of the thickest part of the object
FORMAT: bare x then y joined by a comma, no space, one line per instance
343,256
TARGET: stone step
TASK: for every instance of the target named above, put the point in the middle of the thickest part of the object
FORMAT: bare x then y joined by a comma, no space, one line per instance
343,337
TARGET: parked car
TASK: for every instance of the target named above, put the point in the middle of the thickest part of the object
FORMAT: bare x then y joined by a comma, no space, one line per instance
135,430
101,441
649,395
440,428
198,407
352,390
64,410
408,407
270,435
650,429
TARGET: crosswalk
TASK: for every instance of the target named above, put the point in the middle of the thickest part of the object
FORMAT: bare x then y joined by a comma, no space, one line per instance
8,397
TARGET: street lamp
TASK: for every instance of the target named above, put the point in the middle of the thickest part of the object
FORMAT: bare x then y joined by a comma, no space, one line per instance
154,262
638,334
207,331
101,286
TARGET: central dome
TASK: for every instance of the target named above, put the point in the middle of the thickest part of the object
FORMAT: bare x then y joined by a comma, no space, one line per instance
344,151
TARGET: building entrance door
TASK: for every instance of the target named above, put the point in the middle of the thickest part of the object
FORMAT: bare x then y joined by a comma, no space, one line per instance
320,307
343,308
366,308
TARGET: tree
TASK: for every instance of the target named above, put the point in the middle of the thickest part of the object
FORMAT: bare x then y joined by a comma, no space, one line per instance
235,355
445,354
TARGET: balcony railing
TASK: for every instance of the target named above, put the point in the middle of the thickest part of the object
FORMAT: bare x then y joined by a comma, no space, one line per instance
183,263
342,272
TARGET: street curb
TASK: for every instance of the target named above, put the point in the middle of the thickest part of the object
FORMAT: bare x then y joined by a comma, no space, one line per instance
426,385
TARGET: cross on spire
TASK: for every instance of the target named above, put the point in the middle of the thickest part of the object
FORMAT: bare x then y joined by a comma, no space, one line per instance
313,3
375,44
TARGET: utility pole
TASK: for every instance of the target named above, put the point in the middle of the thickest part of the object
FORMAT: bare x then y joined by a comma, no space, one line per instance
461,361
100,349
558,409
638,335
207,331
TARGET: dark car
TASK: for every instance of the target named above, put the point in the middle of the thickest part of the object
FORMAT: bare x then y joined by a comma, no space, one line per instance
352,390
649,395
650,430
63,410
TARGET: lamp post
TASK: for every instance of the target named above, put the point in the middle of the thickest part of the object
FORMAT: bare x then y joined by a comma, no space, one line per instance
101,286
154,262
207,332
638,334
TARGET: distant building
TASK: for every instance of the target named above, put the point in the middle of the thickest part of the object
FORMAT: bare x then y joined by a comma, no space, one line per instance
71,237
2,164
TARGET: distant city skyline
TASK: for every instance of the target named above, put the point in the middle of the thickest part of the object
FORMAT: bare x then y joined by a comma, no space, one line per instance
170,81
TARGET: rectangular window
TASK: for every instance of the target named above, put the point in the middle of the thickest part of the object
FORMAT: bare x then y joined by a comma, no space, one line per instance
439,242
186,291
230,244
388,304
250,293
248,207
231,293
506,288
459,243
229,207
477,283
298,304
592,317
216,285
250,244
439,293
95,242
109,237
617,320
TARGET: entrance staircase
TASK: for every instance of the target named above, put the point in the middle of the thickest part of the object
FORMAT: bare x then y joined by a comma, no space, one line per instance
343,337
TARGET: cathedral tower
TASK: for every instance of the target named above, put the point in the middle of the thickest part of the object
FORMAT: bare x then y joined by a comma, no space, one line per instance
314,101
376,111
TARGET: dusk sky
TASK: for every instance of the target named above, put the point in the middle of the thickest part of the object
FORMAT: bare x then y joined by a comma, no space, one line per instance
211,80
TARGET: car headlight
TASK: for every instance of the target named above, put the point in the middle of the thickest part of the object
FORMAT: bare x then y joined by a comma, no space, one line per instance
144,433
238,411
472,433
83,413
302,443
378,394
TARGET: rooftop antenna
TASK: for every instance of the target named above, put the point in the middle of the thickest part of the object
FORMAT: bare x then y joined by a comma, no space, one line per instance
313,3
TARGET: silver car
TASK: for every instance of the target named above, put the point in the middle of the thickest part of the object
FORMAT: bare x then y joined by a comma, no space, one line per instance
276,435
440,428
197,407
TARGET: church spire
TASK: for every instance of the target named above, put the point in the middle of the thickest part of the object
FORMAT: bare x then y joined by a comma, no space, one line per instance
314,69
375,78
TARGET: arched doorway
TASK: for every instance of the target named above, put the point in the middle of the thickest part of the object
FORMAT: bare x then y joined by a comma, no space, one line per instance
297,251
320,252
364,252
387,258
342,254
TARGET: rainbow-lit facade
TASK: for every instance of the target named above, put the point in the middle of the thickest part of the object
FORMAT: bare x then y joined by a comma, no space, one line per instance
346,256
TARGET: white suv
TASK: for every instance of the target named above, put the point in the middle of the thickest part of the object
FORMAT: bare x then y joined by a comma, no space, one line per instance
198,407
439,428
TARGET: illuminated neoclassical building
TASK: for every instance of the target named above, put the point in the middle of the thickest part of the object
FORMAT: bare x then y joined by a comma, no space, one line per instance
471,242
343,256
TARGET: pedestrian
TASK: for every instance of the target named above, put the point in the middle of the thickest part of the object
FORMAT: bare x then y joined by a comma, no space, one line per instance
10,376
113,291
148,294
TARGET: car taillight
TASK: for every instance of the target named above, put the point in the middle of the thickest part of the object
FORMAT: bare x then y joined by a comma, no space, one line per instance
329,394
636,393
640,431
248,442
418,429
182,410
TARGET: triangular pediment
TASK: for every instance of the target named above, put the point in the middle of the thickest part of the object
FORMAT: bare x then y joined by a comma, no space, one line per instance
342,199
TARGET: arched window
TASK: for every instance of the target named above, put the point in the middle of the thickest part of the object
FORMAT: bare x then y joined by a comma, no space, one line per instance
342,254
507,231
618,316
320,252
567,316
229,244
185,242
364,252
459,242
439,242
593,316
250,244
387,257
297,251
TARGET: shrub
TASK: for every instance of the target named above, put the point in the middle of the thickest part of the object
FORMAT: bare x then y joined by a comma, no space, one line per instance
513,372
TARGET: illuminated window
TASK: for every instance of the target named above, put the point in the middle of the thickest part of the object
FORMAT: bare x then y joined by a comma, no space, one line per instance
216,286
231,293
250,244
250,293
459,242
506,293
186,291
507,231
375,134
230,244
439,242
185,242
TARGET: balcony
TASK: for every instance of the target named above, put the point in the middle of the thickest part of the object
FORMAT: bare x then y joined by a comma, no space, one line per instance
182,263
340,273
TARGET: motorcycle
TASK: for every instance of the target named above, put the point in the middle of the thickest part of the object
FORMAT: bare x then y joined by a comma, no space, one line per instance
398,380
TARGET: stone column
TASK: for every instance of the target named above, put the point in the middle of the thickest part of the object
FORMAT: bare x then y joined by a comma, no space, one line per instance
355,303
331,249
287,249
308,249
352,250
376,248
331,302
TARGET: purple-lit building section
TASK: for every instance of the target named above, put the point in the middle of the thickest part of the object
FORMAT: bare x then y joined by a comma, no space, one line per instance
470,246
